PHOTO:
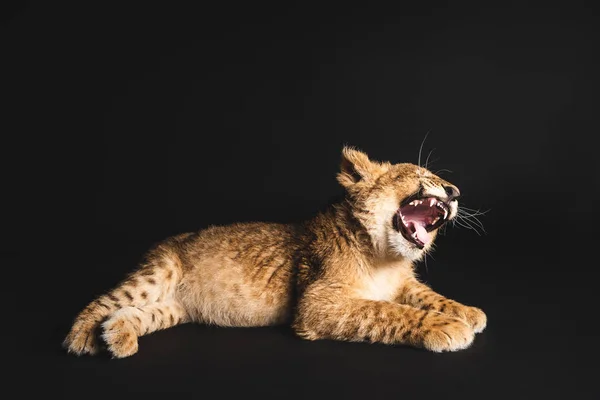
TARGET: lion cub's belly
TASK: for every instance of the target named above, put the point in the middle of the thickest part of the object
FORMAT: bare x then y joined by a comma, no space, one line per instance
229,294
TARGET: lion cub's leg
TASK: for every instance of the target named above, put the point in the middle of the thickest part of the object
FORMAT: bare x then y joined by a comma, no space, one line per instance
123,328
153,283
383,322
419,295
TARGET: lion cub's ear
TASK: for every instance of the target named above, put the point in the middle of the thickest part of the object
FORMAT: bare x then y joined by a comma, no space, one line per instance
357,167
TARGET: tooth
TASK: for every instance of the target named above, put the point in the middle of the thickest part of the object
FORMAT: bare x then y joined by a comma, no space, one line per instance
432,202
435,220
445,213
420,201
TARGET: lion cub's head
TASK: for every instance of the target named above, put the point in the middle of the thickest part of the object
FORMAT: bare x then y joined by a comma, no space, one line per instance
402,206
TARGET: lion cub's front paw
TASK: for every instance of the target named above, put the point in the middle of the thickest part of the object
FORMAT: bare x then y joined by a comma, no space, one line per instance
474,316
447,334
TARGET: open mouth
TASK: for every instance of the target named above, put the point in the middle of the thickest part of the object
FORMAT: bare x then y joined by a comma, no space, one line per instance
417,217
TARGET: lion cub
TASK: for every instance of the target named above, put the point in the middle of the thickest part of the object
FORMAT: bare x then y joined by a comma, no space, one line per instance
346,274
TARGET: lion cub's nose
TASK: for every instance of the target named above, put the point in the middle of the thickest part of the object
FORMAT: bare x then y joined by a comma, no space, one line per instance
452,192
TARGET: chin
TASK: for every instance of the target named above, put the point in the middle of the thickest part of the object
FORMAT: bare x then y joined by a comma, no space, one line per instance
400,247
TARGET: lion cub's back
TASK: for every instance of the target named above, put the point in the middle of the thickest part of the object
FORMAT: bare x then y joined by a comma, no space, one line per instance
239,275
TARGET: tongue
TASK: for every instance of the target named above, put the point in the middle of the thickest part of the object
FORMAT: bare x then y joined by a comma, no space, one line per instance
422,234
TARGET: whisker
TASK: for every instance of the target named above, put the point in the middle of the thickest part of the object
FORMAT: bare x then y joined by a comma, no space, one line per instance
475,221
464,220
471,210
465,224
427,159
471,216
442,170
444,228
421,148
467,215
432,162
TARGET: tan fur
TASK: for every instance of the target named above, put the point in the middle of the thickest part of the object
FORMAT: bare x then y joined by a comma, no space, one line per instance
346,274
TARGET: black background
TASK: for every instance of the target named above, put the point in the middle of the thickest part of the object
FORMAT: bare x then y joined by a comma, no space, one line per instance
124,123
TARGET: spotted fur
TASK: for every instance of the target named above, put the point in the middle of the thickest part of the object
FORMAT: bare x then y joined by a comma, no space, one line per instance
346,274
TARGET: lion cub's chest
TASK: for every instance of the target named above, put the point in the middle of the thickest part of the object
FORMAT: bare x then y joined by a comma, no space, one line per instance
384,281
